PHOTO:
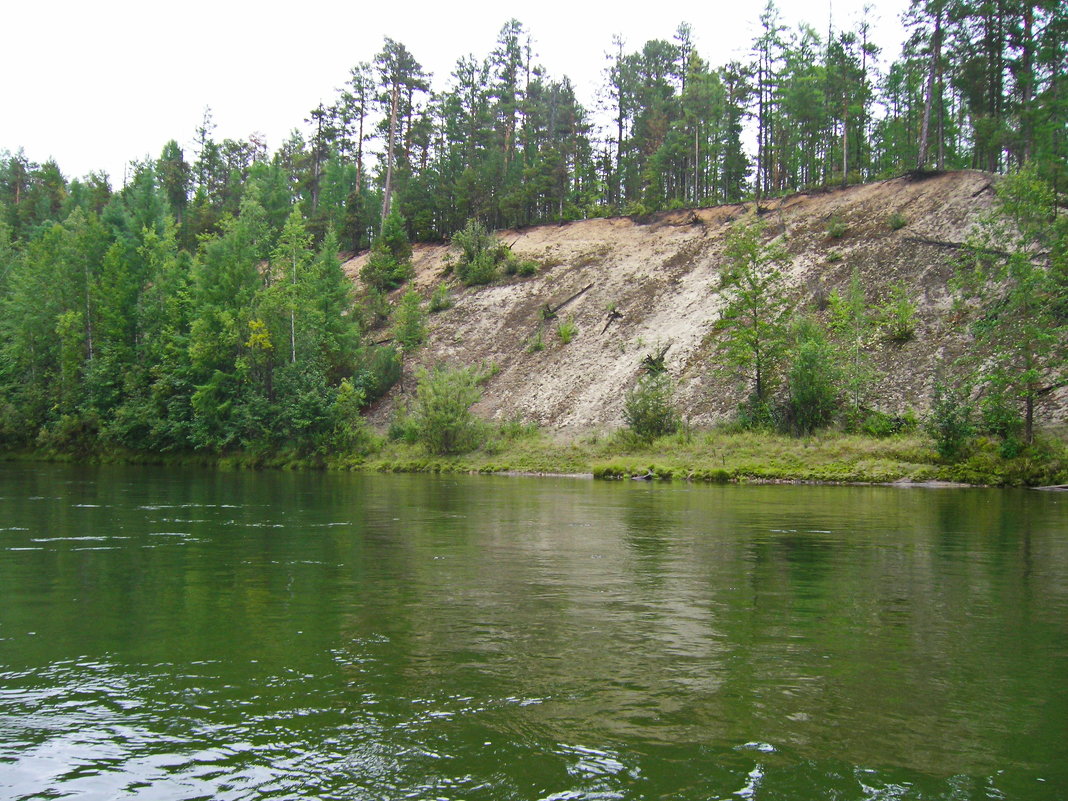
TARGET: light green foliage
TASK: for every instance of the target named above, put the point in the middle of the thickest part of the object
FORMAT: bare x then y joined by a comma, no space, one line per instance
441,413
1011,281
648,408
536,344
897,316
440,298
897,221
524,268
837,228
852,325
287,274
567,330
753,324
50,318
390,262
409,322
351,433
813,379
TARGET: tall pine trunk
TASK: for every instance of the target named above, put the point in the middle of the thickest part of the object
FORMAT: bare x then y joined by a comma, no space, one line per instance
928,100
389,153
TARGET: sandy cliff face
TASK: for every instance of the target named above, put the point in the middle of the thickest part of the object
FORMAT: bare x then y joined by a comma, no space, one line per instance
661,275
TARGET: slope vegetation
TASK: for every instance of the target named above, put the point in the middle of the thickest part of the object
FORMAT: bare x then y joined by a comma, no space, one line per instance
640,287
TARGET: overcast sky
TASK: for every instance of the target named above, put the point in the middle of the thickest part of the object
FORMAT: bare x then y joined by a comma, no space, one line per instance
96,84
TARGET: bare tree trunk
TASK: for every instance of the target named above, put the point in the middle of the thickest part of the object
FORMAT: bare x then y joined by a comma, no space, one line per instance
1027,130
359,151
389,153
696,167
845,145
928,100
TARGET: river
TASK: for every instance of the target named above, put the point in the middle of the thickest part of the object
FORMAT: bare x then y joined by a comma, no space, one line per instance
187,634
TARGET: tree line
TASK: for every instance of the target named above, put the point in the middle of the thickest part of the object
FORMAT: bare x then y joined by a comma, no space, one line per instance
977,84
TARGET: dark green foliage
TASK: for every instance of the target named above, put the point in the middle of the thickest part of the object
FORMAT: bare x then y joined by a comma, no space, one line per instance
525,268
481,254
1001,417
379,368
757,414
403,427
950,422
879,424
1013,296
409,322
654,363
375,310
351,433
389,264
536,343
975,85
813,380
75,434
439,299
648,408
441,412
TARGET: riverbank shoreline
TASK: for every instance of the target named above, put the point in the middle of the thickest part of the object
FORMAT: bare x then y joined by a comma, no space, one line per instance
714,456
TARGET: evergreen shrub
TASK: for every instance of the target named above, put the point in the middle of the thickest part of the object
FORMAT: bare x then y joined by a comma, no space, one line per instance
950,422
442,410
648,408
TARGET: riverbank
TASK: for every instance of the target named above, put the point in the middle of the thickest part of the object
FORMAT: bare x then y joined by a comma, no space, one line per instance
718,456
721,457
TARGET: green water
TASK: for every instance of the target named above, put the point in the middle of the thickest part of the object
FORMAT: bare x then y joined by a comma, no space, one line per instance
195,635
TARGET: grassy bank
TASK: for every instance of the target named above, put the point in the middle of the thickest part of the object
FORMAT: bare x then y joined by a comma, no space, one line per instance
707,456
720,456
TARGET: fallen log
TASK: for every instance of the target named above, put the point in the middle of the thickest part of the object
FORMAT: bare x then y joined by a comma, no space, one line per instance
548,312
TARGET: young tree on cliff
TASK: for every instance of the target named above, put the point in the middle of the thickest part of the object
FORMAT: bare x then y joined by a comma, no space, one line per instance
1015,272
390,263
753,324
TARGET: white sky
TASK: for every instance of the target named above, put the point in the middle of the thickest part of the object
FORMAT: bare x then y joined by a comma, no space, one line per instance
95,84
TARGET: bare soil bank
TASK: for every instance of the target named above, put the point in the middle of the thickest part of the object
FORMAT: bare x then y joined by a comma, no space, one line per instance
660,274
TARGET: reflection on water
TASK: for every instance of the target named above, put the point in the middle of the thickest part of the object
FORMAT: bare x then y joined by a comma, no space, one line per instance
179,635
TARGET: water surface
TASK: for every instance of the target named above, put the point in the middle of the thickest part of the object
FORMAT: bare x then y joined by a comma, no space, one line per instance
171,634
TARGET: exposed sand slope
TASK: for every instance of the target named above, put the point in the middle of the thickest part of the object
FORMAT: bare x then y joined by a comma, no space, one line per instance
661,274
